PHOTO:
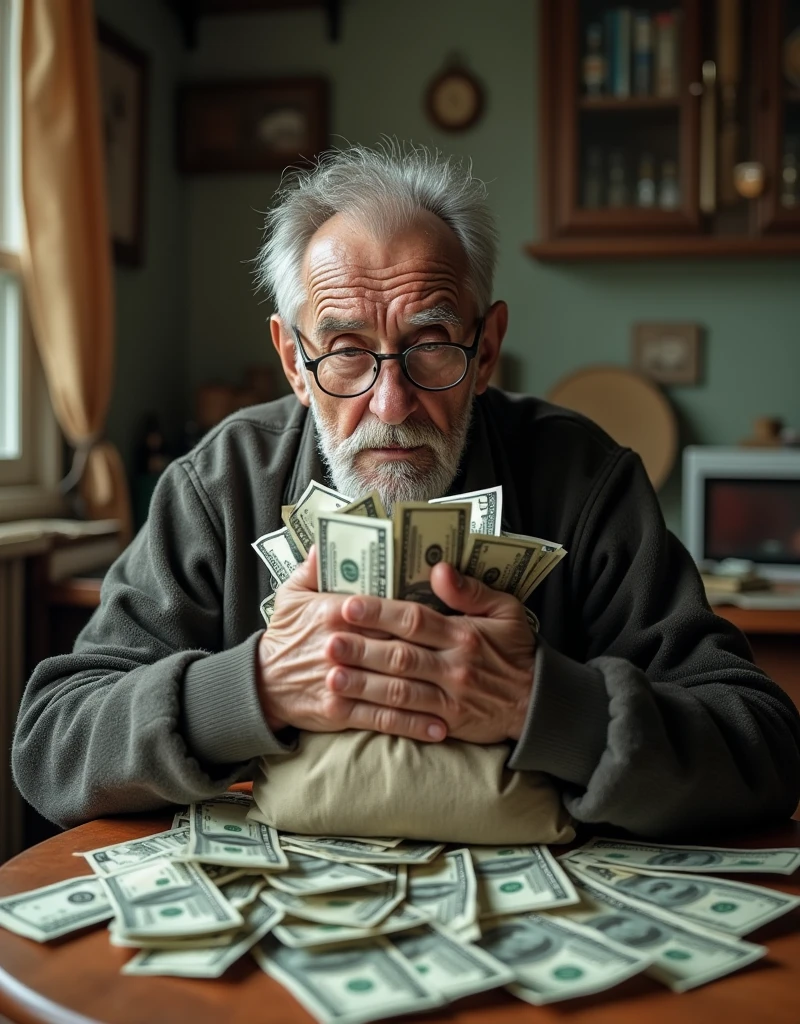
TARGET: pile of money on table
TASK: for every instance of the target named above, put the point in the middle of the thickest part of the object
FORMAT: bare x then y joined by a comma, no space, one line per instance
362,551
358,930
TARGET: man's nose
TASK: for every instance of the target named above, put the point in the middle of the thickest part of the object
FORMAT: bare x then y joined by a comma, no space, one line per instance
394,398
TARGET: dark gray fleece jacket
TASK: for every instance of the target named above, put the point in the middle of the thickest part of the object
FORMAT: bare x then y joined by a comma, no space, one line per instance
646,707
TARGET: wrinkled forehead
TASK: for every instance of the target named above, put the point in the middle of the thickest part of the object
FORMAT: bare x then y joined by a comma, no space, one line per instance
377,277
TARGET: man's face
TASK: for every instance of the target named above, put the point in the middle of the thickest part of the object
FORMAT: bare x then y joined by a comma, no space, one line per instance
385,296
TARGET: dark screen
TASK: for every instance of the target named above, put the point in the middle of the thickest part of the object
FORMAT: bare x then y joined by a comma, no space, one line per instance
754,519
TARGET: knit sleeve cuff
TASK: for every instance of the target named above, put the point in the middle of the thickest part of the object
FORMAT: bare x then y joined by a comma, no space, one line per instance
223,718
565,731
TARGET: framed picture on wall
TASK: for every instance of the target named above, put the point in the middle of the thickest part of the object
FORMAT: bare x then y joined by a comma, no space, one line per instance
251,126
668,353
124,70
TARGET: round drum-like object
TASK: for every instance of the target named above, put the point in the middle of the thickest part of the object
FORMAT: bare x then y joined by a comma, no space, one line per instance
630,408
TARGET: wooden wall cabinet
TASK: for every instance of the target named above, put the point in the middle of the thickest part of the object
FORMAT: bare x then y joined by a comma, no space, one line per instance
640,156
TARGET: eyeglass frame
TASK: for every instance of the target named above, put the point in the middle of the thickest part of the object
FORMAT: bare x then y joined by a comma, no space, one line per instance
380,357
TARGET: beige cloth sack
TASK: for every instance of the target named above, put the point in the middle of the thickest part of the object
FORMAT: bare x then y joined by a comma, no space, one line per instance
361,783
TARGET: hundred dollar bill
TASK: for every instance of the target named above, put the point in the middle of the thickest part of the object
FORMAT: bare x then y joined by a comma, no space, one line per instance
513,879
370,505
356,908
301,935
499,562
267,608
207,941
544,566
378,843
286,511
221,833
735,908
241,892
487,508
167,898
279,553
661,857
349,984
424,535
316,498
355,555
684,955
211,962
181,818
451,967
552,958
308,875
351,851
107,859
447,888
55,910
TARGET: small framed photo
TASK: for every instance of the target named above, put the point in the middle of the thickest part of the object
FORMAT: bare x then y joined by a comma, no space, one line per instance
124,70
668,353
251,126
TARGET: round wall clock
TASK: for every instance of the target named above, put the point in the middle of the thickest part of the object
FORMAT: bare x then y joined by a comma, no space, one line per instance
455,99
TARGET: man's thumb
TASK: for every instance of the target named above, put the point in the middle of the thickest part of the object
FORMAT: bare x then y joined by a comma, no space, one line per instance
304,576
462,593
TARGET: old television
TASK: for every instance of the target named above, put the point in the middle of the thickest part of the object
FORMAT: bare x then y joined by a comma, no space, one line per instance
743,503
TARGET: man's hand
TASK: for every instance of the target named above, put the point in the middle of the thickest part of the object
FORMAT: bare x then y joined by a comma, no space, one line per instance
295,661
473,671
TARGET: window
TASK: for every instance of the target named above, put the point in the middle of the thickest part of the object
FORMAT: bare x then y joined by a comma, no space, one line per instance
29,443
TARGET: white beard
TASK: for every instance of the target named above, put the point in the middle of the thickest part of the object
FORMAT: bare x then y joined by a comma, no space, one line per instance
395,480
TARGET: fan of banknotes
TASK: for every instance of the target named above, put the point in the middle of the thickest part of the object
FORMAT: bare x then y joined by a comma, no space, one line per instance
362,551
358,930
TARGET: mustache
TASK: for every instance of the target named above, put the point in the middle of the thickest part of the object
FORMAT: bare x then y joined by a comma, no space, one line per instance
384,435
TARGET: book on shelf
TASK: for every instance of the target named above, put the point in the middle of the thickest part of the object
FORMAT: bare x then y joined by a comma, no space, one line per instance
642,54
667,62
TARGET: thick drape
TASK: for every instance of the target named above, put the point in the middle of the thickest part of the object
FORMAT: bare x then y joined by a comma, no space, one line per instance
66,254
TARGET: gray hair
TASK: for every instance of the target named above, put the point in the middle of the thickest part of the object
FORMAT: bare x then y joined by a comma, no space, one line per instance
384,189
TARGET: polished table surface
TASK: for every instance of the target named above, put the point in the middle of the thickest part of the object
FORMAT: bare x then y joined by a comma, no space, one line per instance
76,979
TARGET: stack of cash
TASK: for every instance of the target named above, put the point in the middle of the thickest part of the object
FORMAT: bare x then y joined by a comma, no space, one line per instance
362,551
359,930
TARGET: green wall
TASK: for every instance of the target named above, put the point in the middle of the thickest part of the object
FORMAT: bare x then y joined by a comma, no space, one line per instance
151,300
562,316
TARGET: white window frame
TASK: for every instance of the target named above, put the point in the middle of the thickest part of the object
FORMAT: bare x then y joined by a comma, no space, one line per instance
29,483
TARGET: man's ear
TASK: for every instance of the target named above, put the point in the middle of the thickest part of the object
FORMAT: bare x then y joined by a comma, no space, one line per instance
286,347
494,330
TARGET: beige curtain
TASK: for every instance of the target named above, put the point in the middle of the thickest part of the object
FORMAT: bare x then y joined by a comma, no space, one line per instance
66,256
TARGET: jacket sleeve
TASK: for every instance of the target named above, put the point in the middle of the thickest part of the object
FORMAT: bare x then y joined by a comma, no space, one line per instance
147,710
665,727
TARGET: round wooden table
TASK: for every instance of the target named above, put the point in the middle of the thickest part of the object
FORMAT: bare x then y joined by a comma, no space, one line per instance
76,979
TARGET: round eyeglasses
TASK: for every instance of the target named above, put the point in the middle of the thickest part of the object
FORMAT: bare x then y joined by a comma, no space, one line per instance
431,366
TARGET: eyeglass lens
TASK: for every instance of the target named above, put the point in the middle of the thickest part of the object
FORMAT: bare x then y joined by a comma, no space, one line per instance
430,366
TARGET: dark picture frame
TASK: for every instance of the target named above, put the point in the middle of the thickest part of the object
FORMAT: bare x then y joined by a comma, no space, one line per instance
251,126
124,72
668,353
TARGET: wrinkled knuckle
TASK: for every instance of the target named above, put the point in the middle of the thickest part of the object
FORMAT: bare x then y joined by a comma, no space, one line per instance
469,641
461,676
332,707
385,720
401,659
397,693
331,614
412,618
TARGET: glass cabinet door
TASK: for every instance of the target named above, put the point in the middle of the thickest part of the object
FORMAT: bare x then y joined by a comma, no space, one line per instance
629,108
779,114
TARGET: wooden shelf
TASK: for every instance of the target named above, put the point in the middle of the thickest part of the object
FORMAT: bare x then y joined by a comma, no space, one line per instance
666,247
761,620
615,103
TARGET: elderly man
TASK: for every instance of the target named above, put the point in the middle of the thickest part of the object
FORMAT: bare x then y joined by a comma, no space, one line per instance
643,706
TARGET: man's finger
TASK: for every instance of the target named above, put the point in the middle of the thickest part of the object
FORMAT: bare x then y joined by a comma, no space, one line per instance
471,597
404,619
387,691
390,657
375,718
